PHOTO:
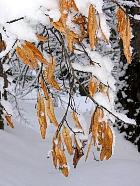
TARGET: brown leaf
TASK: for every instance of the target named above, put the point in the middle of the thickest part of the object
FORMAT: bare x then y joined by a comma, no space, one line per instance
42,38
41,115
65,171
92,88
95,122
36,52
71,4
59,26
49,74
59,158
107,145
124,29
92,26
67,140
44,88
55,84
9,121
22,56
76,120
89,147
77,155
30,56
2,46
50,112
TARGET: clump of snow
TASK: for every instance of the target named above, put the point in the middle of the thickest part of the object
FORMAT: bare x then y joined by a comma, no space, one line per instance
7,106
1,84
137,17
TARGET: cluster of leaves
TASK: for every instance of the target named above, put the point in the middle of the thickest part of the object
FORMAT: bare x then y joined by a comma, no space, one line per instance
100,132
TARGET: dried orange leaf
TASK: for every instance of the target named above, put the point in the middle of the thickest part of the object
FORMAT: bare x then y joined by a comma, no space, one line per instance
124,29
92,26
67,140
30,55
9,121
89,147
42,38
95,122
92,87
50,114
76,120
37,53
41,115
77,155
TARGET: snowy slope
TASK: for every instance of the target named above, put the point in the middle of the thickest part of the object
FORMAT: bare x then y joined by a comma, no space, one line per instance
24,162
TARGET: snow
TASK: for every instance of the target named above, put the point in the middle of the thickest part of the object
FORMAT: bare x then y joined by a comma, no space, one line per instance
1,84
104,27
15,9
24,161
137,17
6,104
83,7
18,18
21,32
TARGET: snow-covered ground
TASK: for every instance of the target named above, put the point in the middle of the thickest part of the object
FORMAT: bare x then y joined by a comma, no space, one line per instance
24,162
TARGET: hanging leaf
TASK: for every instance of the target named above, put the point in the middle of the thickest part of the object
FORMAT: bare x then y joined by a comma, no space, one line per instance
107,144
95,122
9,121
89,148
124,29
59,158
77,154
23,57
59,26
92,26
41,115
41,38
67,140
76,120
30,55
36,52
2,45
92,87
44,88
50,112
49,74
